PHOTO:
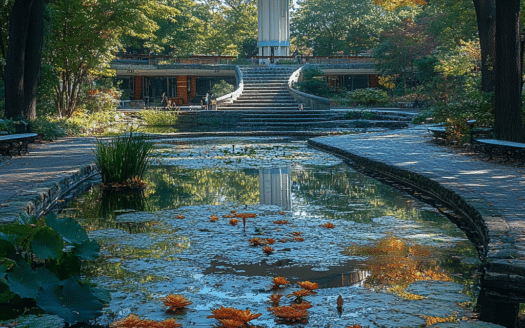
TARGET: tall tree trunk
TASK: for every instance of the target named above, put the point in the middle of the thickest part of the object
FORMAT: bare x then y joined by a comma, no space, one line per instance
486,17
24,56
507,122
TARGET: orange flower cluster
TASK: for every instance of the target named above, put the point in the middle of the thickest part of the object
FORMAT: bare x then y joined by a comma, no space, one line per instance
214,218
308,285
261,241
328,225
180,216
133,321
289,315
233,222
281,222
268,250
275,298
233,318
176,303
278,282
299,294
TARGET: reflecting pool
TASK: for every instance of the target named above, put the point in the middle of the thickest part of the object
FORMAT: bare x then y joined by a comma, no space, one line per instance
395,262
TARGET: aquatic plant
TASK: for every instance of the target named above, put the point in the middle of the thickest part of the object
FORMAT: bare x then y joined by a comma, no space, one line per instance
214,218
268,250
176,303
308,285
35,269
299,294
275,298
301,306
180,216
278,282
297,238
234,318
234,222
328,225
256,241
281,222
133,321
354,326
289,315
123,159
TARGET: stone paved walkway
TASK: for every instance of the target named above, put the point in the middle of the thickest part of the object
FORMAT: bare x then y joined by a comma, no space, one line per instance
496,191
36,175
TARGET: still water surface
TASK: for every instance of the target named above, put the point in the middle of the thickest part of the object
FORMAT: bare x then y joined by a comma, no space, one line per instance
395,261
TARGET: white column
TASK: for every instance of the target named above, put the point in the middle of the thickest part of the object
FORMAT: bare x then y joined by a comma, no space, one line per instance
274,27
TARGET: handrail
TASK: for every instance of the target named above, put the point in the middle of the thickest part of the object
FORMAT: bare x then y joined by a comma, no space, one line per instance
312,101
232,96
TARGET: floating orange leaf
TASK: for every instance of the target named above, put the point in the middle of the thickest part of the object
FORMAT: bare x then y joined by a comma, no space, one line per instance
176,303
213,218
278,282
328,225
282,213
281,222
298,238
268,250
233,222
354,326
256,241
245,215
299,294
133,321
231,317
296,233
289,315
308,285
180,216
302,306
270,241
275,298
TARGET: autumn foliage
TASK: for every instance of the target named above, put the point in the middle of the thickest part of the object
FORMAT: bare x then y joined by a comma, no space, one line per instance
396,4
233,318
133,321
176,303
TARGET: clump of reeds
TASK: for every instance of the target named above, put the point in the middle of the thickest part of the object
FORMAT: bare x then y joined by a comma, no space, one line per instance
122,160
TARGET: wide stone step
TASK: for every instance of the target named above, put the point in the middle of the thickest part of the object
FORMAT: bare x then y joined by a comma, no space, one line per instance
256,108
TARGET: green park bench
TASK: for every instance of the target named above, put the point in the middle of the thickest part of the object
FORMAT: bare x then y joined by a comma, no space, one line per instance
18,142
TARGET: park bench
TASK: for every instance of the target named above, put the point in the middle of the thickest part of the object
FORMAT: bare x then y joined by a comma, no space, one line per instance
18,142
494,147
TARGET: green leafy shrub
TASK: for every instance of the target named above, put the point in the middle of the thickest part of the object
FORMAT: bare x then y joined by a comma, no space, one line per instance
49,128
40,261
313,82
7,125
123,159
159,118
474,105
369,96
221,88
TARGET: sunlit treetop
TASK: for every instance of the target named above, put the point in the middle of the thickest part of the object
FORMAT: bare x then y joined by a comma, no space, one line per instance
396,4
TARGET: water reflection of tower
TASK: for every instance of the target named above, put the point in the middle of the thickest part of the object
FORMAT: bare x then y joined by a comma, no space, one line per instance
275,187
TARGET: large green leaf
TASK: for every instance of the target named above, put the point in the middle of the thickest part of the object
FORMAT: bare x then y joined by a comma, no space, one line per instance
68,228
72,302
16,232
46,277
88,250
7,249
23,281
47,244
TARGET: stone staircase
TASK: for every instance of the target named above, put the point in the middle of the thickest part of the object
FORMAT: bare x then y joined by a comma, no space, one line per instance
266,103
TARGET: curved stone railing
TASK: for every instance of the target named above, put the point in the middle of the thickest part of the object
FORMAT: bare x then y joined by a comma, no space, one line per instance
232,96
314,102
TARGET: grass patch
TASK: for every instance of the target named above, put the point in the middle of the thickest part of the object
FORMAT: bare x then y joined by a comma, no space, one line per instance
159,118
123,159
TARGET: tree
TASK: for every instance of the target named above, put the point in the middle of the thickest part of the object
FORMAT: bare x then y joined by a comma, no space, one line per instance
350,26
508,123
85,35
486,17
24,54
396,4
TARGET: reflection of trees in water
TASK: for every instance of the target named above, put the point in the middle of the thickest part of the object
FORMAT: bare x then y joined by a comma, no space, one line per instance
172,187
395,263
344,193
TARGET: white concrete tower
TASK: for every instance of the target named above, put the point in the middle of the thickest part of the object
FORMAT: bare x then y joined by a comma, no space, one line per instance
274,27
